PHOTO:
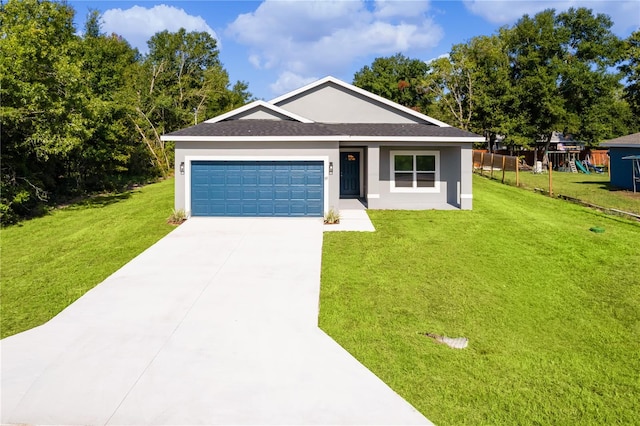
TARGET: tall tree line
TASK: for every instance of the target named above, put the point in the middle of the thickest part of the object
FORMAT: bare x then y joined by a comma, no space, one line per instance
564,72
81,114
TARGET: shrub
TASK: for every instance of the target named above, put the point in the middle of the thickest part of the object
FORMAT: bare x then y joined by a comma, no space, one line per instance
177,217
332,217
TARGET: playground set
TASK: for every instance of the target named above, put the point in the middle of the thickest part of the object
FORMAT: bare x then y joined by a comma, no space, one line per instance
569,161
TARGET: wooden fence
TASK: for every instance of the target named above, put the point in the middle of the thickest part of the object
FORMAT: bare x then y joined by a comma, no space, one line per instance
599,157
485,162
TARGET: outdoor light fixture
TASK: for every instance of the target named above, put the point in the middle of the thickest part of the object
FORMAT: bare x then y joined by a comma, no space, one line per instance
182,168
330,168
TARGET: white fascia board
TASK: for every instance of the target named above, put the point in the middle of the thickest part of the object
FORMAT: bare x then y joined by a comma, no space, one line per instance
337,138
251,138
414,139
257,104
362,92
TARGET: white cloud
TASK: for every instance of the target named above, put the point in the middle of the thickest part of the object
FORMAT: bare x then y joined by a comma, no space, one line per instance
444,55
255,61
288,81
303,38
395,8
138,24
624,13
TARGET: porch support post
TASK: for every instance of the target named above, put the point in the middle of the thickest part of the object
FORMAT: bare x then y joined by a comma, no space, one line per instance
373,175
466,172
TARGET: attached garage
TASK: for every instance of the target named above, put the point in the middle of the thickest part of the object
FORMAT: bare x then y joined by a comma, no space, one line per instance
257,188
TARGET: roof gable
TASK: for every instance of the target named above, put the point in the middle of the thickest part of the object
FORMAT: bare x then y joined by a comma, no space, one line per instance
259,110
331,100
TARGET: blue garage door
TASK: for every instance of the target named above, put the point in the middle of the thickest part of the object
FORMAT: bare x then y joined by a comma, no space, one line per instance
257,188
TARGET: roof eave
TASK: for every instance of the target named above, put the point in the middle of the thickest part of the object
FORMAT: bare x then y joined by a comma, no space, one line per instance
336,138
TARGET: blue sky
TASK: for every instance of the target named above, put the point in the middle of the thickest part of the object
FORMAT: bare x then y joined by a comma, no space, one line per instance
277,46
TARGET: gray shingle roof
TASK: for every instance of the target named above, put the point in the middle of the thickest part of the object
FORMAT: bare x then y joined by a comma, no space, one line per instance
388,129
255,128
248,127
633,139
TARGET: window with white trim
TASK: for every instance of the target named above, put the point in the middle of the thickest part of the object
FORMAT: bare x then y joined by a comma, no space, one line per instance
415,171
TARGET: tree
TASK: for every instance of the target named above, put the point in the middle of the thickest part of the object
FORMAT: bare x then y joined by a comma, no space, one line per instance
43,94
85,113
452,82
559,70
495,114
396,78
535,55
110,156
631,70
472,87
589,89
181,80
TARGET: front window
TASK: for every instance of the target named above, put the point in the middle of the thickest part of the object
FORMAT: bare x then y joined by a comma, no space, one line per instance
415,171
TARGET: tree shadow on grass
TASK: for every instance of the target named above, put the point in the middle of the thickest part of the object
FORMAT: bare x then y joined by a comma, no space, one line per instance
79,203
603,185
98,201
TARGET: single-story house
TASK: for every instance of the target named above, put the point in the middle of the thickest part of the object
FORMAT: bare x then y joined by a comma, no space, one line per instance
300,153
621,163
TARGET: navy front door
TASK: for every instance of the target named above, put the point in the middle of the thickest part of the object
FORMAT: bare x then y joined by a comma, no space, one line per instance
257,188
350,174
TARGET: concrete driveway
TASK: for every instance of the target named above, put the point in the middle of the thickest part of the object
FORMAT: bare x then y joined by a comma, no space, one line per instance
214,324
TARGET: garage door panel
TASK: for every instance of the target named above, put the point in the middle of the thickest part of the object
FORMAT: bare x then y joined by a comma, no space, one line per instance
217,209
216,194
281,209
265,194
250,178
232,194
281,179
269,188
266,209
313,194
281,194
298,179
298,194
233,179
216,180
316,180
265,178
233,166
298,209
249,209
250,194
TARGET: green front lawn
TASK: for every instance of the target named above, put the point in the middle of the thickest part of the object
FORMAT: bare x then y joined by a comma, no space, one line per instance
551,309
593,188
49,262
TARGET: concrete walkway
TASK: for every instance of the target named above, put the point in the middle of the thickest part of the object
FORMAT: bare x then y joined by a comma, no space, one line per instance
353,217
214,324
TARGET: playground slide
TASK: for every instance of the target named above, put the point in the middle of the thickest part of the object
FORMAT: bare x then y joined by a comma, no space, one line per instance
594,167
580,166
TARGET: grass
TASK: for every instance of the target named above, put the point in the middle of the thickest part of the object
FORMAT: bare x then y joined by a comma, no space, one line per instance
551,310
593,188
49,262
